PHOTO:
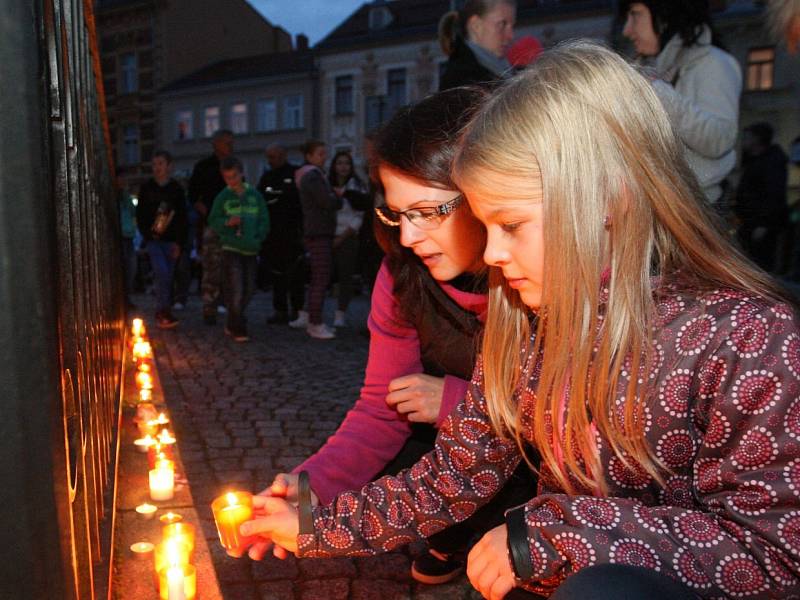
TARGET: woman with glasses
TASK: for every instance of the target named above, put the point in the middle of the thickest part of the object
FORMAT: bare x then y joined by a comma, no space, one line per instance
427,309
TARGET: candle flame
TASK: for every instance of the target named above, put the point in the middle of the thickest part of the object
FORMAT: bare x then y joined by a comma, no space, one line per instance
232,500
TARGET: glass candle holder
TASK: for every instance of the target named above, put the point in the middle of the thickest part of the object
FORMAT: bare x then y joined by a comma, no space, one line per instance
158,452
181,532
171,552
177,582
162,482
231,510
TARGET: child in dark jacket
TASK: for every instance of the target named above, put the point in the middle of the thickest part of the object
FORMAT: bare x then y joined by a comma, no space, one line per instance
240,218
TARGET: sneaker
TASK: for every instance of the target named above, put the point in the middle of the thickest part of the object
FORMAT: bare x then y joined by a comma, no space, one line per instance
320,332
435,568
221,309
338,319
279,318
178,306
165,320
301,322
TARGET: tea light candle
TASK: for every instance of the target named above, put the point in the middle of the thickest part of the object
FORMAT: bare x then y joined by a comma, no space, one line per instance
181,533
162,482
144,444
142,351
146,511
231,510
166,437
145,395
143,368
137,327
177,582
142,549
170,517
144,380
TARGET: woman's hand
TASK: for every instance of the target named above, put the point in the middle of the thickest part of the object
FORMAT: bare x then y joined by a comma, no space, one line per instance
285,486
488,566
276,522
417,396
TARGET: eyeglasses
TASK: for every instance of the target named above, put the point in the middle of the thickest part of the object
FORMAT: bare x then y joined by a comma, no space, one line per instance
425,218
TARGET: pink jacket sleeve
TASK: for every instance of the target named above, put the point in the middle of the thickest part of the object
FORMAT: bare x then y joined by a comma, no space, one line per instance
373,433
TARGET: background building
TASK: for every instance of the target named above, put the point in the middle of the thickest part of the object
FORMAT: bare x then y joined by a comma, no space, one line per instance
262,99
147,43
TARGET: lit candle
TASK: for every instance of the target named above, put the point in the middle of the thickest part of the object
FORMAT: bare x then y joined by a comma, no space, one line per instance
177,582
142,549
142,351
171,552
181,533
162,419
145,395
143,368
162,482
144,380
146,511
170,517
144,444
137,327
157,452
166,437
231,510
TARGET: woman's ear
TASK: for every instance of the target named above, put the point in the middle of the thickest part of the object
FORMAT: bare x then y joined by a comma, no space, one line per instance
473,27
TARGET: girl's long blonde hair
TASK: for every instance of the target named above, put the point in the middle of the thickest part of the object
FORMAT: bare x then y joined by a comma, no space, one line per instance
592,128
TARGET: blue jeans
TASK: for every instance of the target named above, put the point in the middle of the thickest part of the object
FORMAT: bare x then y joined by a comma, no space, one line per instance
239,282
163,266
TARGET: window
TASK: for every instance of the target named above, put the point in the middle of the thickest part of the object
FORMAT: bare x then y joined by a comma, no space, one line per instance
760,69
379,17
395,88
239,118
266,115
374,112
344,95
293,112
183,125
210,120
130,144
128,79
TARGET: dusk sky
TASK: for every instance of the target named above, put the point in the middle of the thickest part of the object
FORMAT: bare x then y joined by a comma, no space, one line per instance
315,18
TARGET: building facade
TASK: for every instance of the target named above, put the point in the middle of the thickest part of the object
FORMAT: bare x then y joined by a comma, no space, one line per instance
145,44
262,99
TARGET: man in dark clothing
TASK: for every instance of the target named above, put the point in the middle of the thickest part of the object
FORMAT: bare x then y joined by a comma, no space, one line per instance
282,251
162,221
205,184
761,196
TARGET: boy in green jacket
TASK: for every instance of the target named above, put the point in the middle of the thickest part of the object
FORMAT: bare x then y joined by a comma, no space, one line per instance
240,218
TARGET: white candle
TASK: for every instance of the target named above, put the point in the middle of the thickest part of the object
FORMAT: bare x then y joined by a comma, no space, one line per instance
146,511
162,482
175,589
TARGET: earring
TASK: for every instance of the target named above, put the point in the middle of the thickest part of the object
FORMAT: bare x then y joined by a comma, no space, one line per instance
607,222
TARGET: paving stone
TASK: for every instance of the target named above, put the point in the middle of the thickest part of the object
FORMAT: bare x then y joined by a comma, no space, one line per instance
380,590
276,590
330,589
320,568
240,591
274,569
395,566
455,590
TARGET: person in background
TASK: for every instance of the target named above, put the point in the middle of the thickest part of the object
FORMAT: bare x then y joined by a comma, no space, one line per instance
475,39
163,223
183,268
127,220
355,200
240,218
653,367
282,251
761,195
320,204
698,82
425,321
783,17
205,184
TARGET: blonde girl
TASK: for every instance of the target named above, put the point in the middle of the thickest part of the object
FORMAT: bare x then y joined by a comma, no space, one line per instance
655,370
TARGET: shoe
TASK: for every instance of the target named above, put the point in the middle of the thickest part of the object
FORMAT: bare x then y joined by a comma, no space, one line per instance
279,318
240,336
338,319
209,318
435,568
221,309
178,306
165,320
301,322
320,331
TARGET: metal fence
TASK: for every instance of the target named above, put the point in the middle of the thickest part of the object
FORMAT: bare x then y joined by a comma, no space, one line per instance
61,325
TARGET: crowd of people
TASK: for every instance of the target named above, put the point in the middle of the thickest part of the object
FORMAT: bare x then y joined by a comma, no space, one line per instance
579,383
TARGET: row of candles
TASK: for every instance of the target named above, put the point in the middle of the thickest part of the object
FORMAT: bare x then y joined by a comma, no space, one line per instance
175,574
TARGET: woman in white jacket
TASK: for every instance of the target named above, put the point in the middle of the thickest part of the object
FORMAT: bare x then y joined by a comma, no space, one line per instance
699,84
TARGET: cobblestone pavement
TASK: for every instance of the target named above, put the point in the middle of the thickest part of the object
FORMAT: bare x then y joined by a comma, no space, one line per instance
244,412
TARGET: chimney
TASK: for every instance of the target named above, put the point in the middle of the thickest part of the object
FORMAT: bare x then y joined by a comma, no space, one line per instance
301,42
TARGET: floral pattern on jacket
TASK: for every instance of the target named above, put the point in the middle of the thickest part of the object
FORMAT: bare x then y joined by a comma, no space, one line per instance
724,416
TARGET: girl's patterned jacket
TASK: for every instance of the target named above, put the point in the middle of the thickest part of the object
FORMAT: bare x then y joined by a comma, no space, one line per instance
724,416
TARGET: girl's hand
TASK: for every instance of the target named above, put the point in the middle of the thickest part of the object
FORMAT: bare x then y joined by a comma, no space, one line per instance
276,522
488,566
417,396
285,486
